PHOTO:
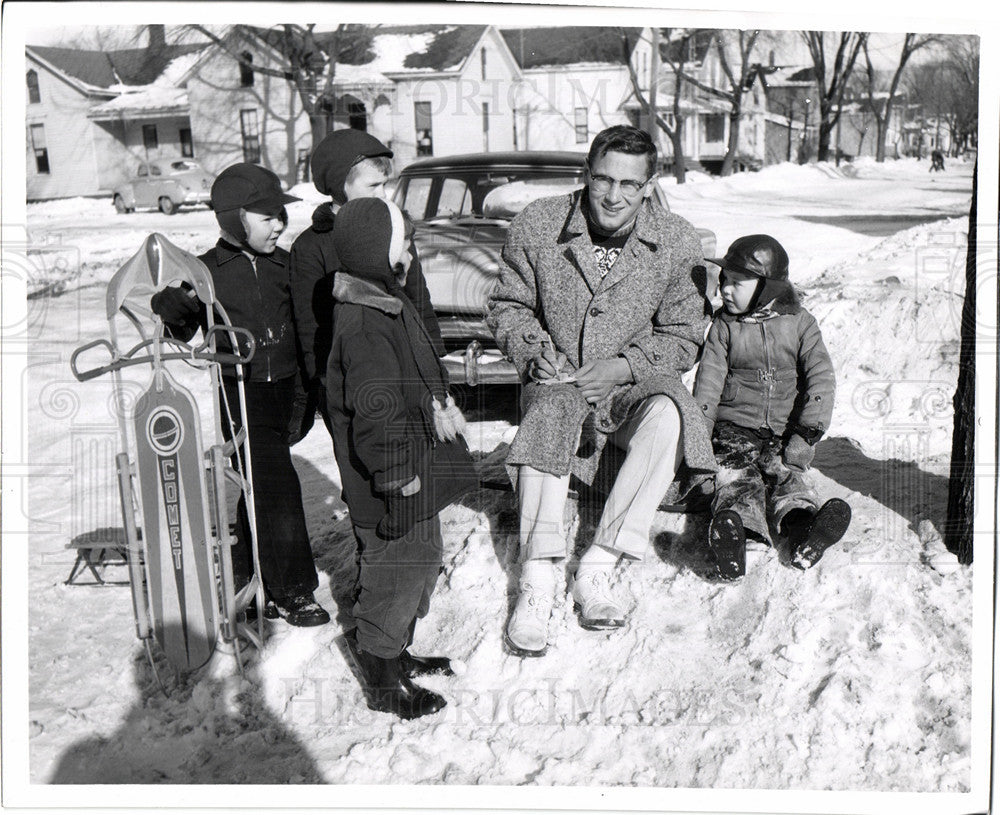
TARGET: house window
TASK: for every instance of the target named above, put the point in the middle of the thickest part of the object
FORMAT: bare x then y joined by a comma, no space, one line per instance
482,63
422,123
714,127
149,139
187,143
580,125
251,138
33,95
486,127
246,70
357,116
39,148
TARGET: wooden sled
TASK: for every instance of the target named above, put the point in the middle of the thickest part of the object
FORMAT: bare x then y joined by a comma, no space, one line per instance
173,488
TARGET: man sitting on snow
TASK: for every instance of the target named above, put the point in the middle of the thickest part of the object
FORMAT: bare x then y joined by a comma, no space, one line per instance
598,308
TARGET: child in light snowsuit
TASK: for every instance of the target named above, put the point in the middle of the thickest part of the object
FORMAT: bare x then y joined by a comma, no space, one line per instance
766,385
399,447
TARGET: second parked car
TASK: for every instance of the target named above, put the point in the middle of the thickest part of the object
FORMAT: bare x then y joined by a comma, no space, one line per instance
165,185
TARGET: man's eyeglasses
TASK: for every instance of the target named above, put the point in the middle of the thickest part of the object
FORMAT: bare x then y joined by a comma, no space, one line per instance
629,187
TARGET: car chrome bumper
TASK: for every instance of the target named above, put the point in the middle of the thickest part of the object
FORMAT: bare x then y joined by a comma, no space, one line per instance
197,198
476,366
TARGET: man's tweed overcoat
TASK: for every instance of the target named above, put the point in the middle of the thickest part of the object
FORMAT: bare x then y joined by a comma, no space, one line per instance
647,309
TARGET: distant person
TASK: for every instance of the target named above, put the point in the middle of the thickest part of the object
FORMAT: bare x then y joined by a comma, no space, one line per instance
766,386
250,275
399,447
347,164
598,306
937,161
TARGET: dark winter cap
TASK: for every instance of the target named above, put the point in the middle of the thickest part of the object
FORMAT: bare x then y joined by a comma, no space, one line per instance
250,187
337,153
246,186
761,256
363,233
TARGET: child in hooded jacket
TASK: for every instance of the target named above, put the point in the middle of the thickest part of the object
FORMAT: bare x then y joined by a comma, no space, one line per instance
398,443
766,385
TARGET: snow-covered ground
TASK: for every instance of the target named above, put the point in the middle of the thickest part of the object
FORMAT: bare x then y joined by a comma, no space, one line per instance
853,676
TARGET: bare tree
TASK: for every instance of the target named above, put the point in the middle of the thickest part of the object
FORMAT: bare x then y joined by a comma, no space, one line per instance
883,113
740,82
677,48
947,90
310,61
831,84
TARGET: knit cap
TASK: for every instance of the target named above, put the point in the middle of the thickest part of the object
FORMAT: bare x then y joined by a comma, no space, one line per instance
363,234
337,153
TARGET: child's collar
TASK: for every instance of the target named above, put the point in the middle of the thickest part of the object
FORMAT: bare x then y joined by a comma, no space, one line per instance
350,289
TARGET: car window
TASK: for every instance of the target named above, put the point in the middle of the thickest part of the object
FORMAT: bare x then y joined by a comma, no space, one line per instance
142,172
154,170
414,197
454,199
508,199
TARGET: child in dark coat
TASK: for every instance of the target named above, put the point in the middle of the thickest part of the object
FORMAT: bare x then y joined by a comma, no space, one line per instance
766,384
250,275
399,448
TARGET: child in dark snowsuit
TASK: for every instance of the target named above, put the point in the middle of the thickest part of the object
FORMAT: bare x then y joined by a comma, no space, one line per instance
399,448
250,275
766,384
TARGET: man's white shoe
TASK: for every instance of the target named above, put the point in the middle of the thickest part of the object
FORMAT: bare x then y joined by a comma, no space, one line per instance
528,627
595,601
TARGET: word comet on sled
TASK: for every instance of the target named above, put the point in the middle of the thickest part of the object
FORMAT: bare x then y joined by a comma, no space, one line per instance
173,489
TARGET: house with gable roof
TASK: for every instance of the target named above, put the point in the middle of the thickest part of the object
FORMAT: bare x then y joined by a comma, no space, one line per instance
450,90
66,154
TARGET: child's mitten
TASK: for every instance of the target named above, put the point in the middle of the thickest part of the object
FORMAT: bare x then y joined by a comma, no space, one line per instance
179,308
798,454
401,511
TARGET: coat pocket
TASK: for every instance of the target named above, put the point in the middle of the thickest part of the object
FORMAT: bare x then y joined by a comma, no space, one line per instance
730,390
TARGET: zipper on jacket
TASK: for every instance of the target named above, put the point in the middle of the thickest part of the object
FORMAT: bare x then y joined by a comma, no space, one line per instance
260,306
768,379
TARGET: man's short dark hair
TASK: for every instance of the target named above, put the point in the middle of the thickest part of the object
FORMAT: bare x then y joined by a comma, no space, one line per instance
624,139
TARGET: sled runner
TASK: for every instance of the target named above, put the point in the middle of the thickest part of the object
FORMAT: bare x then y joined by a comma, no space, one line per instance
172,487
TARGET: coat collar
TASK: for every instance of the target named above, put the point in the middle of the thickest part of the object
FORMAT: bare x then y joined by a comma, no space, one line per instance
226,251
350,289
576,236
646,229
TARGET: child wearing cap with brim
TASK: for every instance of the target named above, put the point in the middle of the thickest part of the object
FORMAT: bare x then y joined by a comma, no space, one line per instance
766,386
251,279
398,440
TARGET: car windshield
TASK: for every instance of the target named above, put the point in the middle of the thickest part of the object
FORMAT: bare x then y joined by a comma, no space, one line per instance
481,194
182,166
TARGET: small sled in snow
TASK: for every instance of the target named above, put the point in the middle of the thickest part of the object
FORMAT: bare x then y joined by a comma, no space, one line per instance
172,487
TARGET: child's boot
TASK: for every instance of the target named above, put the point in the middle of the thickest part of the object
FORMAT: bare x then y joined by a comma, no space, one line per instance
811,539
727,541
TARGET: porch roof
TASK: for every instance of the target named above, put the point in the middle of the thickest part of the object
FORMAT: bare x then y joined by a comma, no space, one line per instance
150,102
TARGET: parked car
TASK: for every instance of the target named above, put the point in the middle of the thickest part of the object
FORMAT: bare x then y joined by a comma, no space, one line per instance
462,207
166,185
